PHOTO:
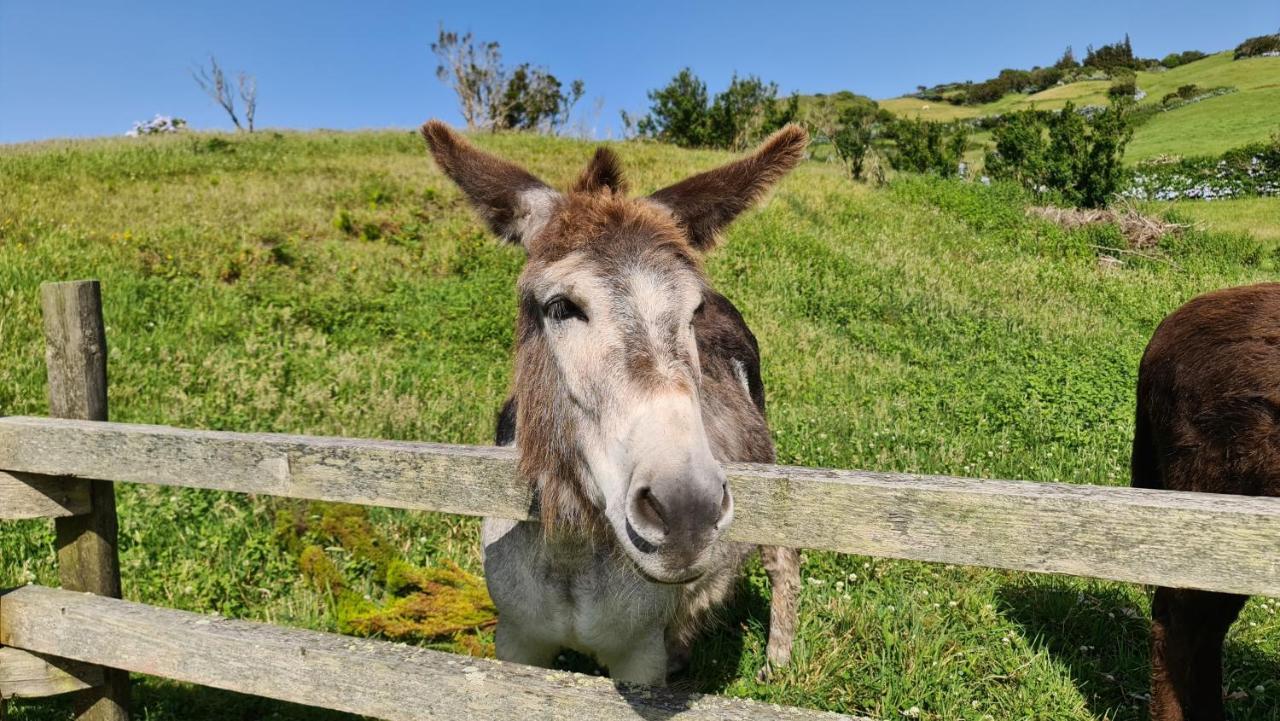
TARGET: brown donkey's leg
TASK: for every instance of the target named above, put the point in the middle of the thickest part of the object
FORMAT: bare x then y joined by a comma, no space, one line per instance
1187,631
783,567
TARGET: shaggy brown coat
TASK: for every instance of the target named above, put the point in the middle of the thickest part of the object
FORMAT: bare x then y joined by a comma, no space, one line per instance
1208,420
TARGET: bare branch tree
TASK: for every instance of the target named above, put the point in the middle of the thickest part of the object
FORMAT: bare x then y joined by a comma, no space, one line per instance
214,84
476,74
565,105
248,86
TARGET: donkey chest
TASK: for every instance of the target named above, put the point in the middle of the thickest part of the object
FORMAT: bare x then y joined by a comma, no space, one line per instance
573,596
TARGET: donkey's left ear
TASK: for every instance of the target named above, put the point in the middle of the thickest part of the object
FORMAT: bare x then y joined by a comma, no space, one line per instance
514,203
706,203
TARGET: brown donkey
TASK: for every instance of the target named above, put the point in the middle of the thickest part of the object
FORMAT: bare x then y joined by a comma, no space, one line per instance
1208,420
633,381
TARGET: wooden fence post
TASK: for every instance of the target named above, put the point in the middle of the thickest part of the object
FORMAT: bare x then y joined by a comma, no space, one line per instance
76,357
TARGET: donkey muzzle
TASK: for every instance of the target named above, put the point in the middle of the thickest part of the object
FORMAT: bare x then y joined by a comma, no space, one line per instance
676,517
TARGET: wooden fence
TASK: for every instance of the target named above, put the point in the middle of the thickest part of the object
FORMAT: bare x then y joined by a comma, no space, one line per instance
66,640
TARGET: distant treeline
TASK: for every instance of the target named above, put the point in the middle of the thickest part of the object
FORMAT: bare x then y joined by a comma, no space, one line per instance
1108,61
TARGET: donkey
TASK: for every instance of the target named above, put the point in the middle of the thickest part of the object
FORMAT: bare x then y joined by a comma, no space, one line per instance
1208,420
634,380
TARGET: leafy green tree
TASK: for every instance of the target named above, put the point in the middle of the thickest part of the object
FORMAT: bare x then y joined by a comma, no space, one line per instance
739,116
1110,57
1067,61
1257,46
535,100
679,112
854,134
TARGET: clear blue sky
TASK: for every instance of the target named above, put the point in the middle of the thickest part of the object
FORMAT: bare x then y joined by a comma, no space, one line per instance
92,67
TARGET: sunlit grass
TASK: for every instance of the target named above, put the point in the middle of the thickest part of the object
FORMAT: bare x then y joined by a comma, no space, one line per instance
338,284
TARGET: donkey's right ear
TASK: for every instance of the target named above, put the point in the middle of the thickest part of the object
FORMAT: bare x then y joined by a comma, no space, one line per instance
514,203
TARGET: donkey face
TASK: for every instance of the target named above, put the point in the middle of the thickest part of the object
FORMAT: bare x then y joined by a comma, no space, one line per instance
607,384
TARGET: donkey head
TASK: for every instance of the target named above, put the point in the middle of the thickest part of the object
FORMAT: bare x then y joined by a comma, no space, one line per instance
607,381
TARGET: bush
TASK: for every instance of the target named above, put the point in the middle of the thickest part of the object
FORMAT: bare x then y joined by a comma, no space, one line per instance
1067,153
1261,45
1125,87
1173,60
924,147
856,130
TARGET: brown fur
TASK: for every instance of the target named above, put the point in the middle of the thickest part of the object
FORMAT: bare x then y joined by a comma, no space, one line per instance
706,203
1208,420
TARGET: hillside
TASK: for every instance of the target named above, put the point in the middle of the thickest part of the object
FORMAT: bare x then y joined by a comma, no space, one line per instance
337,284
1208,127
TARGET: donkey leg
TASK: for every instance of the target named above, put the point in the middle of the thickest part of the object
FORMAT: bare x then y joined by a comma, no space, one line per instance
644,660
783,567
513,644
1187,632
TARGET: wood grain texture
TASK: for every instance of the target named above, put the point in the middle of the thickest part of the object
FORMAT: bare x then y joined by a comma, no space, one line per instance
76,359
1193,540
29,675
373,678
23,495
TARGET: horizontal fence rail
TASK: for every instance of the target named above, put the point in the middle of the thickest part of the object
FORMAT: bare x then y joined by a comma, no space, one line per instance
1191,540
373,678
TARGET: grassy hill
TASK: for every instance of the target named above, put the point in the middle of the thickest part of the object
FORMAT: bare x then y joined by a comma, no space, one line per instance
337,284
1208,127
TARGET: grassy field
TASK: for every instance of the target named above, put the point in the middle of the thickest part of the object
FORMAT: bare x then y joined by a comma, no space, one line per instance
1259,217
1209,127
337,284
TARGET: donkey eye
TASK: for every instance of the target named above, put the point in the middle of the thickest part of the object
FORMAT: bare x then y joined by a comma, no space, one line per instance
561,308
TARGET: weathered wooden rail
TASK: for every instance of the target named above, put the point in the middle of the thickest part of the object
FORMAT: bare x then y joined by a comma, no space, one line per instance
62,468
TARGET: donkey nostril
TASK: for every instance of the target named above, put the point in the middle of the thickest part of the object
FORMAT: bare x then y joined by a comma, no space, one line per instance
650,510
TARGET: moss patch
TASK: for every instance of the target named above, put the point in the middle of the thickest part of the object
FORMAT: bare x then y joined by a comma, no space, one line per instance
336,544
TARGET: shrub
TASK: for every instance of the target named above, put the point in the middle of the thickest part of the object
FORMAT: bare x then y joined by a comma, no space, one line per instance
925,147
1173,60
1125,87
854,134
1260,45
1066,153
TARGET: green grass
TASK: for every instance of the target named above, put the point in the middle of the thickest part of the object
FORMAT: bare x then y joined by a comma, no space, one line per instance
337,284
1209,127
1259,217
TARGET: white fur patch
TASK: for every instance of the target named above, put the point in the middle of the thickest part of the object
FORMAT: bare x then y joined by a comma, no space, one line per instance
740,370
535,206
